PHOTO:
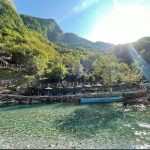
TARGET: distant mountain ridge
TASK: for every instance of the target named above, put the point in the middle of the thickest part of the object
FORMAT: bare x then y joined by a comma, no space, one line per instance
73,40
50,29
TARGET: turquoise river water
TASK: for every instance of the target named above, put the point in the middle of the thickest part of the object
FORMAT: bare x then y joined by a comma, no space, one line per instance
75,126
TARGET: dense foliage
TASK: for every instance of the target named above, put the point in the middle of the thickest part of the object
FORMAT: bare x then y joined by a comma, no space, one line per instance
26,47
47,27
112,71
137,52
29,40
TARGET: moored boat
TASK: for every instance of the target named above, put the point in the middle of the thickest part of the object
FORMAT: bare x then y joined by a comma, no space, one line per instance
103,100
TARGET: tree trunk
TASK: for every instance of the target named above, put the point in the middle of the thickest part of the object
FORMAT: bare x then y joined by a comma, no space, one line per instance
77,80
110,82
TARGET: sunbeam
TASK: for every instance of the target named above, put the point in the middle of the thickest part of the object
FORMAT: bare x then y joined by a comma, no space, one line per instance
143,66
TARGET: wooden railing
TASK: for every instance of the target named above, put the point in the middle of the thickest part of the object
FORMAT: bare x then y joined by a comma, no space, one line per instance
7,82
11,66
65,84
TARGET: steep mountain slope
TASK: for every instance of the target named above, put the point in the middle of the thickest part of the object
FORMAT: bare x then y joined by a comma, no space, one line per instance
8,16
50,29
27,48
30,34
28,43
47,27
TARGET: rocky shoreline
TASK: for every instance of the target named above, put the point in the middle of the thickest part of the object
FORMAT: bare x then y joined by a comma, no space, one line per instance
131,98
20,99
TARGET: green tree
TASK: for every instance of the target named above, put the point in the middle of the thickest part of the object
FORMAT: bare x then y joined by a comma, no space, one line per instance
106,67
130,74
57,72
110,69
77,70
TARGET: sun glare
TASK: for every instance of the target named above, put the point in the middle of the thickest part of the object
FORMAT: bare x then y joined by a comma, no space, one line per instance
123,24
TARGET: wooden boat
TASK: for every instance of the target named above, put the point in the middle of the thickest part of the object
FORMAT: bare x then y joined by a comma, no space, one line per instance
102,100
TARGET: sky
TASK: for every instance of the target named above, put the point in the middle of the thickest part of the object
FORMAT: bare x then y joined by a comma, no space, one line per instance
112,21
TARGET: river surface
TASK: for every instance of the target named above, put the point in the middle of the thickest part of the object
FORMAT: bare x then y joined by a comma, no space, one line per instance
73,126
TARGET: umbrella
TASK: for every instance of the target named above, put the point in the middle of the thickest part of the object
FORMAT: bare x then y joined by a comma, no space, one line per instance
48,88
87,86
78,86
60,87
70,87
98,85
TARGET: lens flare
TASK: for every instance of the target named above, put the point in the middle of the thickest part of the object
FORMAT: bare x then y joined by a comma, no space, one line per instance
143,66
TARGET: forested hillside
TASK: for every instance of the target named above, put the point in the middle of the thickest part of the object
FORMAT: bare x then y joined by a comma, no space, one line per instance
27,47
41,48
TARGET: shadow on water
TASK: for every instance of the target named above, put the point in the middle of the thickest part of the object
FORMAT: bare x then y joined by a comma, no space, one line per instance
85,122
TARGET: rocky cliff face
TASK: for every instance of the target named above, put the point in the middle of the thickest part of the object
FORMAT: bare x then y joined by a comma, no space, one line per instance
51,30
47,27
